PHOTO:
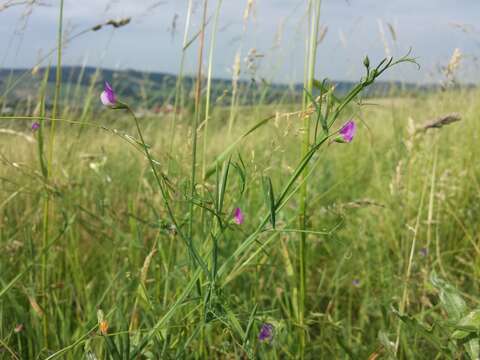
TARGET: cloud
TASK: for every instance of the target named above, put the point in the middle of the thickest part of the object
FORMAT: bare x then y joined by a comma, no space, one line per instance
147,43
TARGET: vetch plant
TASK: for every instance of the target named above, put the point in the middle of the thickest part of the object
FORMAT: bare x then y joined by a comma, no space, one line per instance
108,96
325,109
455,331
244,261
423,252
266,332
238,217
347,132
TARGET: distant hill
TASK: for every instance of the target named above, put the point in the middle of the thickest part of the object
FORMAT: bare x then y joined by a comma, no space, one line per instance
154,88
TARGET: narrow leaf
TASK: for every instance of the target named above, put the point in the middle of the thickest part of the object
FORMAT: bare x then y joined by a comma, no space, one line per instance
269,198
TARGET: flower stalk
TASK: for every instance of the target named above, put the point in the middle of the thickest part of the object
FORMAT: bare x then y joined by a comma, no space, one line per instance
311,52
159,178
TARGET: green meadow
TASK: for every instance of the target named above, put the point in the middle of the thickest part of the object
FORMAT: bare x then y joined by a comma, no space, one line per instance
240,230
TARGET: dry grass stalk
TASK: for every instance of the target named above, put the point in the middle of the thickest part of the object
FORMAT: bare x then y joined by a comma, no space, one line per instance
453,64
13,132
249,10
362,203
28,3
115,23
440,122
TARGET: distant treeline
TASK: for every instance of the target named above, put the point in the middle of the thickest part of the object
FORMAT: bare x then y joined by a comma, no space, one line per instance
151,89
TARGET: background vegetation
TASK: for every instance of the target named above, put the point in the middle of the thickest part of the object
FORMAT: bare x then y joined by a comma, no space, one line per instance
123,246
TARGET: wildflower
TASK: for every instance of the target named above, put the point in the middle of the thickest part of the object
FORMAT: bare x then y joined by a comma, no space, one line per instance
108,96
238,217
103,327
423,252
173,229
18,328
366,62
356,282
347,132
35,126
266,332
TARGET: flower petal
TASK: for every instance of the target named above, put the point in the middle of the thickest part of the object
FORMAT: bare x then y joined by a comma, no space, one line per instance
266,332
106,99
238,217
348,130
108,96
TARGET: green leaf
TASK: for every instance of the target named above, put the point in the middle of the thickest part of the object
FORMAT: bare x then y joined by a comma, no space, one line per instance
112,348
324,87
31,264
232,146
242,173
270,198
251,320
467,325
126,342
222,186
473,349
388,345
233,322
345,346
427,333
318,109
450,298
161,323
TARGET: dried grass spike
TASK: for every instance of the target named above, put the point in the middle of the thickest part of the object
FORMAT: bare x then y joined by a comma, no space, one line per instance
440,122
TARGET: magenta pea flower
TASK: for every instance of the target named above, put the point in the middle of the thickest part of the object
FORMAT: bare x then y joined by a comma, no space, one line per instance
238,217
35,126
423,252
347,132
108,96
266,332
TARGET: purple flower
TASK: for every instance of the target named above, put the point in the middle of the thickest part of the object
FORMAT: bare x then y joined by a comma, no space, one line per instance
238,217
266,332
356,282
347,132
108,96
35,126
423,252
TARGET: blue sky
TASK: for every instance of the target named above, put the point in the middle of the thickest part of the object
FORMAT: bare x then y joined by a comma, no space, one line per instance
432,28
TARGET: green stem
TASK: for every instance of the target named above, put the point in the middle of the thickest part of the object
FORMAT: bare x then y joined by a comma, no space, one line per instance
409,260
279,204
233,100
314,17
208,99
178,86
196,117
47,207
209,88
192,251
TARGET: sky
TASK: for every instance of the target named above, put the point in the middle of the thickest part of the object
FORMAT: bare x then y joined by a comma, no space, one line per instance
276,29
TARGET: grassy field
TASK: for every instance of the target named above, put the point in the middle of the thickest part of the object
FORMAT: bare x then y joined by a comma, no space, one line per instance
241,232
111,245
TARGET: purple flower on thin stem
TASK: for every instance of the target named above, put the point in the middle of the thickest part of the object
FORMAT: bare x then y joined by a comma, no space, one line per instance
266,332
347,132
108,96
238,217
423,252
356,282
35,126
